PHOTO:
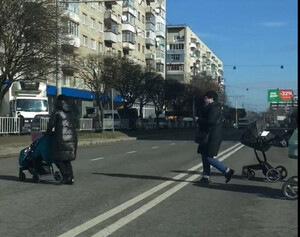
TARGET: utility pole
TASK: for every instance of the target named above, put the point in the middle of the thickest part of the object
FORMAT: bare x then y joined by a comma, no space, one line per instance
194,105
58,48
236,113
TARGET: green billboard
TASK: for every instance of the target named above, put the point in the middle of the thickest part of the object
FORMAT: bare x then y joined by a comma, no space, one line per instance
280,96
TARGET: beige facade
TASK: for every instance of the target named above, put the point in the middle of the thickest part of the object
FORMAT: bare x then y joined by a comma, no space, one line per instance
187,55
131,28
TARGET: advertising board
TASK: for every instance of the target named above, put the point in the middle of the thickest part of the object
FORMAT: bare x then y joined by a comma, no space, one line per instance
280,96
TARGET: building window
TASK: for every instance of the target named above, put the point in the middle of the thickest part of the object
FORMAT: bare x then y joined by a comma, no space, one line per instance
128,36
160,68
100,47
139,47
143,49
84,40
93,23
176,46
65,80
92,5
129,18
100,27
70,27
93,44
143,19
139,16
175,67
84,18
175,57
100,6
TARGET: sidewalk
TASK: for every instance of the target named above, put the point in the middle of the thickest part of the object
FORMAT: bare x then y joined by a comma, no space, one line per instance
11,145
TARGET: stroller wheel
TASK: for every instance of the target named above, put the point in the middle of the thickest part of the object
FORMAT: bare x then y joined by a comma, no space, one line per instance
57,176
290,188
248,174
36,178
273,175
22,176
282,170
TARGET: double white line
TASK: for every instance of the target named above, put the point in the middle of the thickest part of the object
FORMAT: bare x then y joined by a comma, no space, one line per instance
133,215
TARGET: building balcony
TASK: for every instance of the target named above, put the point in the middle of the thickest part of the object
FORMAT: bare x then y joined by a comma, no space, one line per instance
110,16
130,10
67,69
71,40
151,63
128,27
150,55
193,46
150,41
110,36
160,33
71,16
150,26
129,45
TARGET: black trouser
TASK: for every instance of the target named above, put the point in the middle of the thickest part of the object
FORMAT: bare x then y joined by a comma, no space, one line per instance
65,168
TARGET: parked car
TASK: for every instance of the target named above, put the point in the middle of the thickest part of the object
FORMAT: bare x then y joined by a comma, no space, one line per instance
243,123
108,116
39,125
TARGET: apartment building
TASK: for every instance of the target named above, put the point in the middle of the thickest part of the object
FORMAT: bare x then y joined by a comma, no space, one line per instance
131,28
188,55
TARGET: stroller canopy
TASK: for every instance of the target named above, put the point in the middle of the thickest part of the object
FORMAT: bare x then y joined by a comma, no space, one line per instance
252,136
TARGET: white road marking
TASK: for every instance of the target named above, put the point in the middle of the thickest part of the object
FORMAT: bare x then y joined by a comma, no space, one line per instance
133,215
130,152
154,147
171,144
100,158
98,219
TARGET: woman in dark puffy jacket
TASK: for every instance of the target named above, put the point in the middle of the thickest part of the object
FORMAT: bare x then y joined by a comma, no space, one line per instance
62,127
209,123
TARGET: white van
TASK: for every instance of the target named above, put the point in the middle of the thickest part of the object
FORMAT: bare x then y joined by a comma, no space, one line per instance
108,115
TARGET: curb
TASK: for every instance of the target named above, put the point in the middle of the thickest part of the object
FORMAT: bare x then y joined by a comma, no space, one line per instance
14,150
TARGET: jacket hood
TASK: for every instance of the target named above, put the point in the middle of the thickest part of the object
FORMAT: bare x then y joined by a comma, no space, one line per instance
62,105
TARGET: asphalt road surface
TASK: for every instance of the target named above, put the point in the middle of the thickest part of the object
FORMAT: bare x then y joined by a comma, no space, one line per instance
147,188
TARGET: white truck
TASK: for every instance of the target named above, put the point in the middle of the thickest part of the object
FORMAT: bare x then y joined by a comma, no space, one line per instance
26,99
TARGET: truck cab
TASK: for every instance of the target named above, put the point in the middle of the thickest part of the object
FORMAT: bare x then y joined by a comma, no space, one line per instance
26,99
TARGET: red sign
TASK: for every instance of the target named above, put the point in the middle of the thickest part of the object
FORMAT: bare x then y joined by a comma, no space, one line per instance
286,95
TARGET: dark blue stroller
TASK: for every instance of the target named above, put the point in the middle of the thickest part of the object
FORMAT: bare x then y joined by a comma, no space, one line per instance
36,159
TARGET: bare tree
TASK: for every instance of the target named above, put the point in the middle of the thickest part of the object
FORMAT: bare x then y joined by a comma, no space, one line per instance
97,72
128,81
28,35
146,89
158,96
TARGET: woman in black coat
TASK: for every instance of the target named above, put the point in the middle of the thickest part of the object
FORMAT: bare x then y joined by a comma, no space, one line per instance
209,123
61,126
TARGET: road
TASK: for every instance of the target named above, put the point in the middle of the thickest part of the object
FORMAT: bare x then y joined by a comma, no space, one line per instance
146,188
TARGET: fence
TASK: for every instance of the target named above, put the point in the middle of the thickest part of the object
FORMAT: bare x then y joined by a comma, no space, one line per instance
44,124
9,125
85,124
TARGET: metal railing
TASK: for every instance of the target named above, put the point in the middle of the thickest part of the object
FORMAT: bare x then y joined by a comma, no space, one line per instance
44,124
9,125
85,124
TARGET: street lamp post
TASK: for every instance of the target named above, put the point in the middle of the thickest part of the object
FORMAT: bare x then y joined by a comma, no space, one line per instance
236,113
195,65
57,62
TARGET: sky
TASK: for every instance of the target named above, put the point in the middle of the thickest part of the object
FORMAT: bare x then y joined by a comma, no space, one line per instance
255,36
